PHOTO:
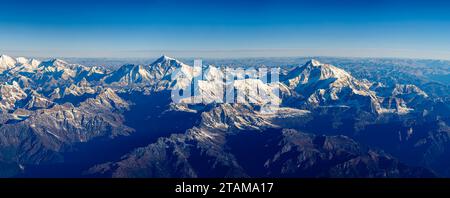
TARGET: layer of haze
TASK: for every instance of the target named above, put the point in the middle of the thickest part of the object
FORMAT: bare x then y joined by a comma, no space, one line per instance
225,28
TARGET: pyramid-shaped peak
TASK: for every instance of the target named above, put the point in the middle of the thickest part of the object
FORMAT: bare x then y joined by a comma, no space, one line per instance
166,60
57,60
5,56
314,70
164,57
314,62
6,62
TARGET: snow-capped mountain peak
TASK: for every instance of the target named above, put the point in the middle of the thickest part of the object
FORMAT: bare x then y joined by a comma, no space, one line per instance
314,63
129,74
163,59
29,63
54,62
6,62
37,101
167,62
48,107
408,90
314,72
7,59
151,74
325,85
22,60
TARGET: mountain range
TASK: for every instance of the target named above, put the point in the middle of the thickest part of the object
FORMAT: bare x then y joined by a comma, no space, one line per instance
69,120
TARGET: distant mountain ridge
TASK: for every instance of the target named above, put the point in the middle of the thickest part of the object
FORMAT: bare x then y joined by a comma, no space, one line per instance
52,108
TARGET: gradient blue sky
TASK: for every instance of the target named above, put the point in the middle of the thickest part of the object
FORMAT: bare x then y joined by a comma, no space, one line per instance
222,28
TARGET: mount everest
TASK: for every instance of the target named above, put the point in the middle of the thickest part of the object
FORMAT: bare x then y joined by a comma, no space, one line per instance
55,115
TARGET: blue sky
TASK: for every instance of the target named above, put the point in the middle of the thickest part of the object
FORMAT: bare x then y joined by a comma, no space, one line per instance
225,28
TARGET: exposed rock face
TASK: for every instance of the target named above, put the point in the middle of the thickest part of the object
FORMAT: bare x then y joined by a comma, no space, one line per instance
286,154
326,125
10,94
230,135
326,85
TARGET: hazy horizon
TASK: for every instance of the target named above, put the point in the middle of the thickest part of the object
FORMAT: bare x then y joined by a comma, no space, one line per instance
230,54
224,29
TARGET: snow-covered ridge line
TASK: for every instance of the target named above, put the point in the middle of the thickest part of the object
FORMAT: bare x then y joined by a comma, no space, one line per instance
319,84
